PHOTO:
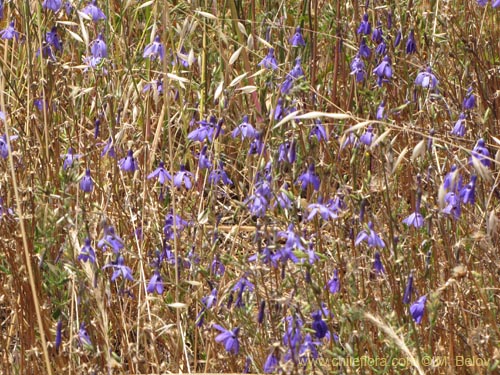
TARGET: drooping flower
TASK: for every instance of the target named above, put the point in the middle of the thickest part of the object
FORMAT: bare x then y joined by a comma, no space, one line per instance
411,45
86,183
358,69
83,336
397,39
87,252
245,129
58,340
378,267
459,128
69,158
297,39
156,283
417,309
482,2
426,79
161,173
452,205
172,221
319,325
373,239
481,153
286,152
309,178
4,145
333,284
257,204
318,131
155,50
128,163
52,38
378,35
453,180
467,194
415,219
269,62
495,3
365,26
93,11
364,50
203,160
228,338
383,71
219,174
98,47
469,100
205,130
271,363
368,136
109,148
110,238
120,269
9,32
282,198
381,48
408,289
53,5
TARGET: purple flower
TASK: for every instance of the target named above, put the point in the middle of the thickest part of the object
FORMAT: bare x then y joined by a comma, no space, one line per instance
69,158
365,26
367,137
309,178
83,336
297,70
381,48
154,50
98,47
271,363
415,219
110,238
408,290
4,145
161,173
68,8
323,210
292,239
452,180
383,71
297,39
183,177
120,269
459,128
364,50
269,62
333,284
377,264
256,146
93,11
244,129
467,194
9,32
210,300
86,183
87,252
52,39
205,130
318,131
397,40
378,35
170,222
481,153
417,309
203,160
452,205
257,204
482,2
53,5
228,338
319,325
358,69
469,100
128,164
411,45
58,340
262,308
219,174
426,79
308,349
372,239
495,3
155,284
380,111
286,152
109,149
282,198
